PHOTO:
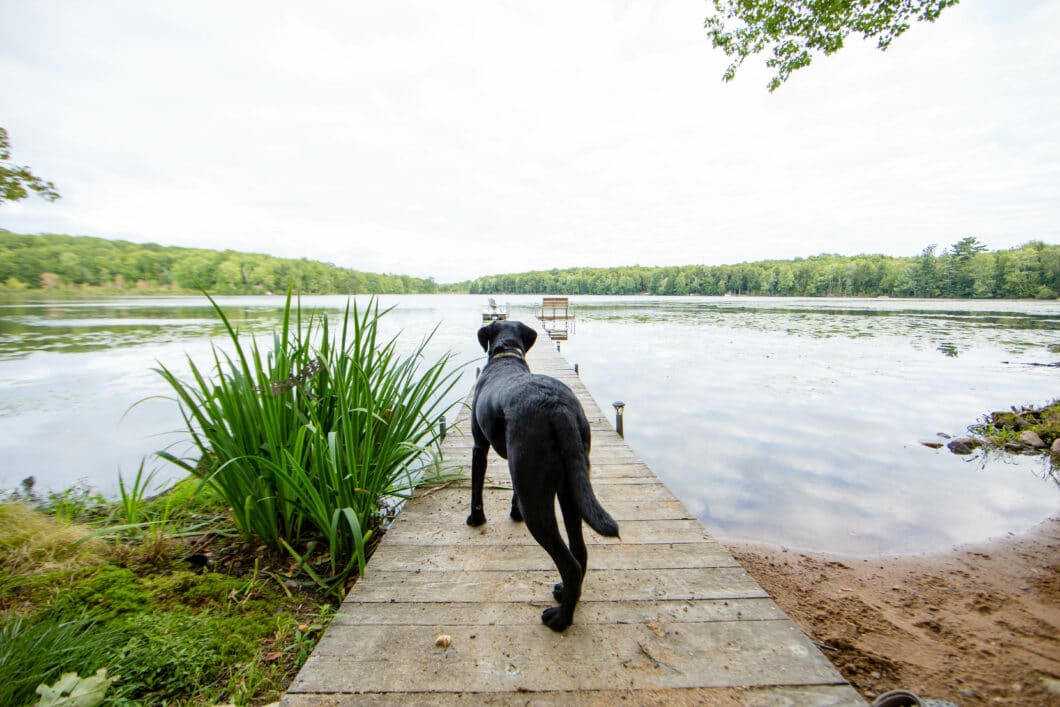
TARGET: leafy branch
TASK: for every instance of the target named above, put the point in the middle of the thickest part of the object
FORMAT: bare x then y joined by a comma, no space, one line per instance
794,29
16,181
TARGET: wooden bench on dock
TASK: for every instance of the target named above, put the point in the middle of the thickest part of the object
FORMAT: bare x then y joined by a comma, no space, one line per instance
667,615
553,308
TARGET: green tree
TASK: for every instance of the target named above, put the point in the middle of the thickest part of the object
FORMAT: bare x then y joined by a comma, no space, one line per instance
793,30
959,277
16,181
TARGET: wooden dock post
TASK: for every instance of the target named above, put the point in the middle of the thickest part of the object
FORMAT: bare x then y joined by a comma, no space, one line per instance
667,615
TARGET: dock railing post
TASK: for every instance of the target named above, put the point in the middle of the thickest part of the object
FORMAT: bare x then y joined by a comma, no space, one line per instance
619,407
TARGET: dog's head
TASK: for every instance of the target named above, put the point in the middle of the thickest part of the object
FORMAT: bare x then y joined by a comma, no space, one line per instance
504,337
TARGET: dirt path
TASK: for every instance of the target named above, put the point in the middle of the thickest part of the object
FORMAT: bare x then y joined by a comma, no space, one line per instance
976,626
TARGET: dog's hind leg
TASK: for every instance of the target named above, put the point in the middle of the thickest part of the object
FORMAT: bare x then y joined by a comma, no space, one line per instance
545,530
517,513
572,520
478,474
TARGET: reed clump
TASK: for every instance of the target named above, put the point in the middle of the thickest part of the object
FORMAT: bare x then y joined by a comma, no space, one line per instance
312,441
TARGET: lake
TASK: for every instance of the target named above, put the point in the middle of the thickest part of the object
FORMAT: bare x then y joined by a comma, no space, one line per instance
795,422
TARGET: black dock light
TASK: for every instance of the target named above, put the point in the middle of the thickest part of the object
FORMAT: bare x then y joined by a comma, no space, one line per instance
441,428
619,406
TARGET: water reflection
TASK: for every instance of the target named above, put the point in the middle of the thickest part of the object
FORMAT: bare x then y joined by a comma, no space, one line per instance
795,422
795,427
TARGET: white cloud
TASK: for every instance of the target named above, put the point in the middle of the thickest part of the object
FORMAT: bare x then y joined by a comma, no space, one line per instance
462,139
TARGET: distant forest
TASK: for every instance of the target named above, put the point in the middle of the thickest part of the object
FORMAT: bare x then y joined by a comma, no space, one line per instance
57,262
965,269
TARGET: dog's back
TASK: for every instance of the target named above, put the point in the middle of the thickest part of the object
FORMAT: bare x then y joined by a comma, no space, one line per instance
552,442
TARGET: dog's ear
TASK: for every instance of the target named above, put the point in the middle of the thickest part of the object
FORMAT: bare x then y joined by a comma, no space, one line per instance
484,335
528,335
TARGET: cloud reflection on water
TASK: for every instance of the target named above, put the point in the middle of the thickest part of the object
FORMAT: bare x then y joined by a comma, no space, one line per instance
772,432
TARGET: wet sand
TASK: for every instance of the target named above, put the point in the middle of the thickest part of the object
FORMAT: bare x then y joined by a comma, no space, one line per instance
979,625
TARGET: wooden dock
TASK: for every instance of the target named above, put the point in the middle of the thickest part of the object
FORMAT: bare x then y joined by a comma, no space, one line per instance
666,616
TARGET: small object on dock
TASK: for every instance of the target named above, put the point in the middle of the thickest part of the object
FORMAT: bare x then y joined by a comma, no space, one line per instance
619,407
443,641
557,317
494,313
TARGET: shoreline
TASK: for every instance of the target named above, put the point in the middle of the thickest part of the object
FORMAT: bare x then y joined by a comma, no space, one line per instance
976,625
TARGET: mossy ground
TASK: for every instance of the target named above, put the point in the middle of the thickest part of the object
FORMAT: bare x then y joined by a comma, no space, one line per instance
182,611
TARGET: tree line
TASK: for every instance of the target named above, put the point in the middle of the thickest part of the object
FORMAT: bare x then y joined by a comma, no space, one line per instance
965,269
58,262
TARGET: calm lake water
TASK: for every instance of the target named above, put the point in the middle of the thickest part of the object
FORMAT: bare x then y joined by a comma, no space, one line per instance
794,422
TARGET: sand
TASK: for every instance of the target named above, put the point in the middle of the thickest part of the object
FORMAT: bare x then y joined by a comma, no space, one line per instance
976,626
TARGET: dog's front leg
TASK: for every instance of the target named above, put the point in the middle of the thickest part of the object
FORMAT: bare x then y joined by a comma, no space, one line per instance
478,477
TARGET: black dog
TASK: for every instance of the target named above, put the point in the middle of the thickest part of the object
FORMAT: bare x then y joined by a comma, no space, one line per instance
538,425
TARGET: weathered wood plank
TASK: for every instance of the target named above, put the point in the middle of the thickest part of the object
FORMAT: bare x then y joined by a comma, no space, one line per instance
502,531
800,696
536,585
497,496
448,614
511,558
451,509
585,657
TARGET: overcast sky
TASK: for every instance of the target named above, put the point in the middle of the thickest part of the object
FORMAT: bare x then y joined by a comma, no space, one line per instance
461,139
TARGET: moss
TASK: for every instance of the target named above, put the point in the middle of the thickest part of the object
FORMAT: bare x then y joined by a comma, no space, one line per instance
1005,426
186,498
108,593
169,653
185,588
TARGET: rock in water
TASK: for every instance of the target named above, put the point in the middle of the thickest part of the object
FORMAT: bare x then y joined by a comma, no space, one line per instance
1031,439
962,445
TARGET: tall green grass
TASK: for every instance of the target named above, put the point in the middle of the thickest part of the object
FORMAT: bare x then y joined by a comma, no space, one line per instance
32,653
308,441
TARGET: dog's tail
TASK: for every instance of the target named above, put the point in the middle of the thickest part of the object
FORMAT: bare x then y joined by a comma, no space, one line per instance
576,456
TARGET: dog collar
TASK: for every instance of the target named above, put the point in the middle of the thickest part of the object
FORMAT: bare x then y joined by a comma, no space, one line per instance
513,354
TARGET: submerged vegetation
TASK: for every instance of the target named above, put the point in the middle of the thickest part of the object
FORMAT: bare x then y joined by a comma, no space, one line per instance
218,589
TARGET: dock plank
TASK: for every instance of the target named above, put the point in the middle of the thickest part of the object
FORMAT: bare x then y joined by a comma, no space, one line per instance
667,614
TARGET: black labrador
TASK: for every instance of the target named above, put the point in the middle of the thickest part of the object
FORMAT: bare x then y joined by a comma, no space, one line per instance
538,425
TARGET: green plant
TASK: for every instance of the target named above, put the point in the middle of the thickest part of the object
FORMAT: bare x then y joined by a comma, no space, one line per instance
78,502
132,499
308,440
37,652
74,691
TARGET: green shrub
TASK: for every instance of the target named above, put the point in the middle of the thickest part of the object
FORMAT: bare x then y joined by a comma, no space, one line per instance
306,442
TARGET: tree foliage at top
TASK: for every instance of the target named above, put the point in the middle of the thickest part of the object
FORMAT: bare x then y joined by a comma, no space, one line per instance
792,30
16,181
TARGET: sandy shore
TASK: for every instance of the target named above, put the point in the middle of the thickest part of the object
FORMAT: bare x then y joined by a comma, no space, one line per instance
976,626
